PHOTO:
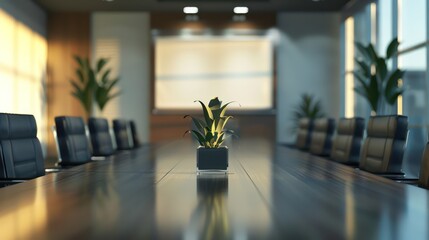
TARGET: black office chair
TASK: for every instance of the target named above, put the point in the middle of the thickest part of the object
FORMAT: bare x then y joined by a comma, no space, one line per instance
100,137
321,137
347,143
72,141
135,135
123,137
20,149
384,147
303,137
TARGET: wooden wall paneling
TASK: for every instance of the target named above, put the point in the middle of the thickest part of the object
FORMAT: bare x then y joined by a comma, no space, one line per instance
68,35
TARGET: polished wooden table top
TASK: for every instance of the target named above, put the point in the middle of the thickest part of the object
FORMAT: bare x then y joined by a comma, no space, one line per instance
270,192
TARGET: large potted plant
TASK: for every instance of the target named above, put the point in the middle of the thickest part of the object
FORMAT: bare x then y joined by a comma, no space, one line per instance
379,85
210,133
309,107
94,86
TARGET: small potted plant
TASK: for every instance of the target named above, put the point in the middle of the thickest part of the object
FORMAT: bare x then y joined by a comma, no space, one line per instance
210,134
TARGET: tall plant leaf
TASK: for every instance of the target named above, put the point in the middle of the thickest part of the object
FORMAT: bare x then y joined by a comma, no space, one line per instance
101,63
392,49
372,53
392,89
363,51
365,68
208,115
381,69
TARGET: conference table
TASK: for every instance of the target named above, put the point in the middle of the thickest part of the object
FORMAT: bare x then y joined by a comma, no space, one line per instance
269,192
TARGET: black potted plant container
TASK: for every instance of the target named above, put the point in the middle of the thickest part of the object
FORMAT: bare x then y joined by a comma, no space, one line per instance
212,158
210,134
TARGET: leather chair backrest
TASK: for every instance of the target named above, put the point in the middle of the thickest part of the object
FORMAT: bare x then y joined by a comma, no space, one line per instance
303,137
424,169
384,146
72,141
121,128
347,143
134,134
321,137
100,137
20,149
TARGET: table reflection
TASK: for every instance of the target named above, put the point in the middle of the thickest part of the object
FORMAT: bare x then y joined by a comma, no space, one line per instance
210,220
24,217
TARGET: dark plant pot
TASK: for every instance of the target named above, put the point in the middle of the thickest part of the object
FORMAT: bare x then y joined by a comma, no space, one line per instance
215,159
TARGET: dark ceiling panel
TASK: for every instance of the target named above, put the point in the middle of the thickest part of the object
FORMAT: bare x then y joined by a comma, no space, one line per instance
203,5
218,1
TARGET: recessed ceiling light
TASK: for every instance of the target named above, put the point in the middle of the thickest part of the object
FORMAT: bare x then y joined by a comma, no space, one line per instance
241,10
190,10
108,0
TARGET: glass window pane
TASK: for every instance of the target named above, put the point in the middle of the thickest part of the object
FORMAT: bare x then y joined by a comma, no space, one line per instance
412,22
362,34
7,40
415,106
384,24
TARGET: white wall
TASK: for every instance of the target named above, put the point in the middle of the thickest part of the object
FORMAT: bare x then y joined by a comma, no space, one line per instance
125,39
308,61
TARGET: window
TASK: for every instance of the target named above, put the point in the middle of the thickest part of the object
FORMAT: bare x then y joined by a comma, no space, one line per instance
23,71
407,20
412,22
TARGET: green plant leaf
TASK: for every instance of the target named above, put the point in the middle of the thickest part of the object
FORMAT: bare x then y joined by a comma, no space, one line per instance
80,75
208,115
219,140
100,64
92,82
105,77
372,53
392,49
391,88
394,96
111,84
214,103
361,90
365,68
222,122
381,68
197,136
360,79
208,137
373,93
223,108
363,51
197,123
79,61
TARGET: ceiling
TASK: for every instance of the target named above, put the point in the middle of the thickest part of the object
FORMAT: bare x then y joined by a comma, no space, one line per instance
203,5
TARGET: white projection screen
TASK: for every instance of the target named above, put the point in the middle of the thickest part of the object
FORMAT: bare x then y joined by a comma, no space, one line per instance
235,68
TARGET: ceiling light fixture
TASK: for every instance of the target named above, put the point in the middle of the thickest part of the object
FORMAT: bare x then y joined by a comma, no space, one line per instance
190,10
241,10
